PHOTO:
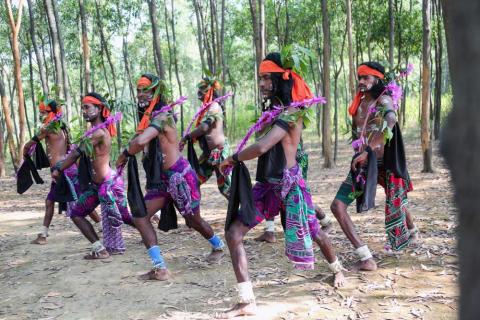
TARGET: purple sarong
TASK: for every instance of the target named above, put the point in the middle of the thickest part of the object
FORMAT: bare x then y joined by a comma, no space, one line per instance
110,194
290,195
180,184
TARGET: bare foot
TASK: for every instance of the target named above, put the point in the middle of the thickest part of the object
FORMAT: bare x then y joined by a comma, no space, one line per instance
40,239
156,274
414,239
339,280
215,256
367,265
102,254
240,309
267,236
155,219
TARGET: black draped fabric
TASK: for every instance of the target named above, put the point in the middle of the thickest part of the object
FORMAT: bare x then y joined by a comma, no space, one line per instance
152,163
62,207
394,155
240,195
25,173
84,171
366,200
202,142
272,163
134,191
168,218
64,191
192,156
41,159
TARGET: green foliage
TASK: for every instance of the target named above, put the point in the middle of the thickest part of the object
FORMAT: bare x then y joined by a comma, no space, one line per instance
296,58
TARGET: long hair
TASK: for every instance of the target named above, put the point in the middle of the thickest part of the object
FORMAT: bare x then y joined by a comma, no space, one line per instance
378,88
282,89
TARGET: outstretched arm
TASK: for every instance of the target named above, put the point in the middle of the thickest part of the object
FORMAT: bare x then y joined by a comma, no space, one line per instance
35,139
260,147
137,144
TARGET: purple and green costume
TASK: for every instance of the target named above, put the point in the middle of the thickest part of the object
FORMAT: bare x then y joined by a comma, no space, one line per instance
110,195
179,184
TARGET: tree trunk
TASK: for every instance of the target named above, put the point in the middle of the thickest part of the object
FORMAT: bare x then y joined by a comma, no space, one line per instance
326,131
105,46
9,124
175,62
85,50
199,34
425,123
438,73
168,21
257,11
66,86
157,51
461,142
351,68
38,55
15,27
391,38
56,55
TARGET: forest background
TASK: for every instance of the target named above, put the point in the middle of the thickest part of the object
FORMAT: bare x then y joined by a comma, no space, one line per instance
67,48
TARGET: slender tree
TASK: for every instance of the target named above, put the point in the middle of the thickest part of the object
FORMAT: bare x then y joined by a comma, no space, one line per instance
152,10
326,127
425,117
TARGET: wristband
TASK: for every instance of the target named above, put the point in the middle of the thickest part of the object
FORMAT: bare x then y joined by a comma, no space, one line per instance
35,138
126,153
235,157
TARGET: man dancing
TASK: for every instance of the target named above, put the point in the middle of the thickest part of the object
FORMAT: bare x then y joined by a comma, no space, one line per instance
99,183
210,135
371,108
56,135
169,175
280,185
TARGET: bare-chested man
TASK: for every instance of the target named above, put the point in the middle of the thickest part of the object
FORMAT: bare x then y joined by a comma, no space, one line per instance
372,107
210,134
280,186
169,175
55,133
99,183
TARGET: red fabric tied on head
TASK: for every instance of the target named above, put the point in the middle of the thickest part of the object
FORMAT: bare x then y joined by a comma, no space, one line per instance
362,71
51,114
207,99
300,89
144,82
112,130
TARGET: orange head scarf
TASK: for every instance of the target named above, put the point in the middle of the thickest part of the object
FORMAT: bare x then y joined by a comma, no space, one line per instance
362,71
105,112
53,111
209,95
300,89
143,83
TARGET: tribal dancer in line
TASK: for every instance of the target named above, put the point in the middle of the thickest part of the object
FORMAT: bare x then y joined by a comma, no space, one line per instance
99,183
280,185
57,139
169,175
209,133
379,158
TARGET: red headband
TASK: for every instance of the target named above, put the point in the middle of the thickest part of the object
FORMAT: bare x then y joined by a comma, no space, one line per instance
105,112
143,82
300,89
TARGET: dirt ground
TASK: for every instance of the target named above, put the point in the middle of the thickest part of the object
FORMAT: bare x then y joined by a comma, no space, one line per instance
54,282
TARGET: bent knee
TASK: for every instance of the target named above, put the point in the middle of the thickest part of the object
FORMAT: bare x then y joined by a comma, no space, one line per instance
233,236
337,206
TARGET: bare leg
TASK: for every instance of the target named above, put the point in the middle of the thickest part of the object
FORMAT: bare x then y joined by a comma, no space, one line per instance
95,216
196,222
339,210
47,220
89,232
234,237
414,237
328,252
320,217
269,234
149,237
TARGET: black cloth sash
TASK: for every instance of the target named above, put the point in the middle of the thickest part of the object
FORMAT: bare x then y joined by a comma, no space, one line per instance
168,218
240,195
25,173
41,159
272,163
366,200
152,163
85,171
64,190
135,197
394,155
192,156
